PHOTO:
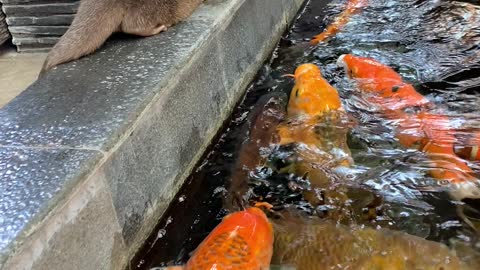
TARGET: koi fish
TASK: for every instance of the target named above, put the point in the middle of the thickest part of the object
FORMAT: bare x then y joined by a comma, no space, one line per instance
317,127
315,115
313,128
312,95
352,7
243,240
429,133
311,98
388,87
313,244
269,112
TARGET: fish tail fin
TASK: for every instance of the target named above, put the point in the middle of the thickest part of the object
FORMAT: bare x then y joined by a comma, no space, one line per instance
94,22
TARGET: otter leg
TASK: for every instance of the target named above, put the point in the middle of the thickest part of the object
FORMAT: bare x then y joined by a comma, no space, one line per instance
145,32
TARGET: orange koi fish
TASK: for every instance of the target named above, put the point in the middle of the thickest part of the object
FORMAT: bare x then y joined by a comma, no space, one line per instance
312,95
313,127
314,101
429,133
382,81
433,135
352,7
311,98
316,128
243,240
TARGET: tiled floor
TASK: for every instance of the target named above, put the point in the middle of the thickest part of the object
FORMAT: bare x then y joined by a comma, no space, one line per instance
17,72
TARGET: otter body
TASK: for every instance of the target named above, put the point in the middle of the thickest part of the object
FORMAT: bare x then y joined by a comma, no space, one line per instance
96,20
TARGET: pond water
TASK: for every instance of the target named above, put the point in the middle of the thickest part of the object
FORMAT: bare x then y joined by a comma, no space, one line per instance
433,45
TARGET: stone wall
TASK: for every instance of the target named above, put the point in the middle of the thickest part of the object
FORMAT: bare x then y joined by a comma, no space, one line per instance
4,35
36,25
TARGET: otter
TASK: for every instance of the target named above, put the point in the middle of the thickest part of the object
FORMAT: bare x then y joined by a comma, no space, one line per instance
97,20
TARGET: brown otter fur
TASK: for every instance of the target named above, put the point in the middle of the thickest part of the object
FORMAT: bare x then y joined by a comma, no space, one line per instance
96,20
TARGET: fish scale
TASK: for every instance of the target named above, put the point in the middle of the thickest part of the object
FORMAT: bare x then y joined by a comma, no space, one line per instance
243,240
234,248
325,245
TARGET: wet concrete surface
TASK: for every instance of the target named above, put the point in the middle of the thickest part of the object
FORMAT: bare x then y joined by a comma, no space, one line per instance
17,72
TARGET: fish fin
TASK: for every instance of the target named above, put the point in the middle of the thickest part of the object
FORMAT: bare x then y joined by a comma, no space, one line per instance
474,152
264,205
464,218
93,24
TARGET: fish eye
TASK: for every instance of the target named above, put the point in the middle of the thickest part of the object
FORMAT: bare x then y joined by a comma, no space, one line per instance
350,73
353,71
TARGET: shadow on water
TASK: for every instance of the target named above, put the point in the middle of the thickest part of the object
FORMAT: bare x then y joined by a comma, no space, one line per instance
432,44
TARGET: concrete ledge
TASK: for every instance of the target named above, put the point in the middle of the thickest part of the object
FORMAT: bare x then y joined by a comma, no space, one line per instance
92,154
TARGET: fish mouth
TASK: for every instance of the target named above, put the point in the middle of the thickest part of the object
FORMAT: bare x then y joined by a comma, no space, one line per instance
341,61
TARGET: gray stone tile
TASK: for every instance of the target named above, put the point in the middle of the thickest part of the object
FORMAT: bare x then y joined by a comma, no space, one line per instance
80,233
256,31
166,142
291,7
42,9
32,181
217,11
4,34
38,30
266,22
91,102
50,20
92,240
236,58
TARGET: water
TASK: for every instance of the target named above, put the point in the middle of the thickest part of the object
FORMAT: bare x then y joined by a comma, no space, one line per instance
433,45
